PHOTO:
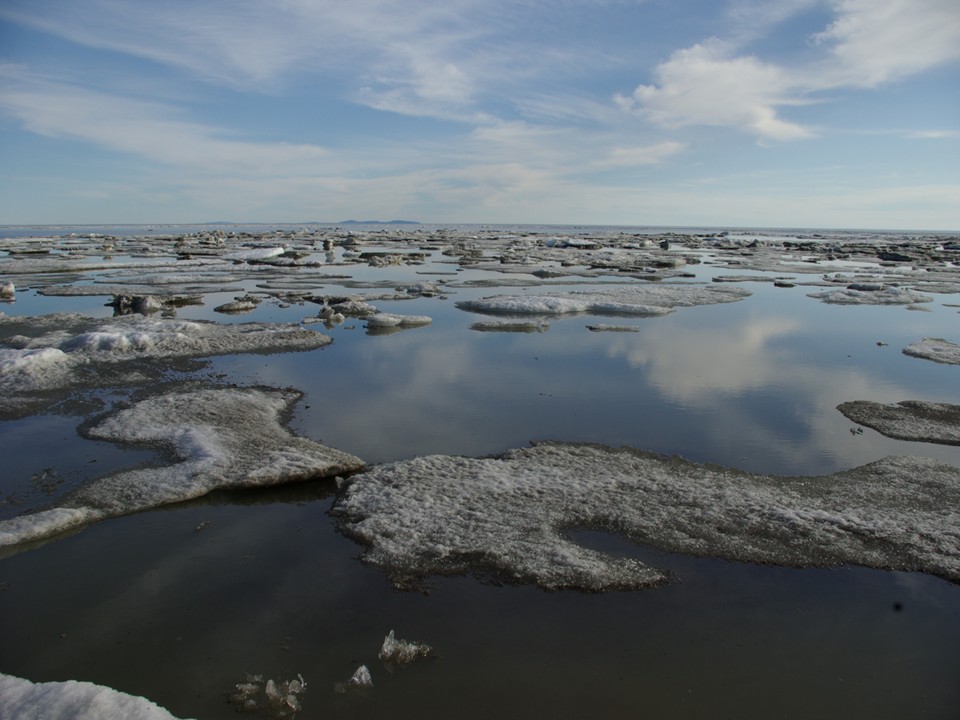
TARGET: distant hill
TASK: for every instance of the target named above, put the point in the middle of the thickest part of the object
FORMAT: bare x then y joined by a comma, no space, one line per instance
378,222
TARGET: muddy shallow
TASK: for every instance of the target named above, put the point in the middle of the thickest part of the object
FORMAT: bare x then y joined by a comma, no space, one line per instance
178,604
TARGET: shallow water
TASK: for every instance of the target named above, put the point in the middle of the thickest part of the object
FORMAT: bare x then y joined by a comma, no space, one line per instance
177,604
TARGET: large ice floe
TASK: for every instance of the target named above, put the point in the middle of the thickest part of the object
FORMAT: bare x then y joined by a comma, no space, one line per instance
507,518
60,346
865,294
620,300
936,349
72,700
908,420
220,438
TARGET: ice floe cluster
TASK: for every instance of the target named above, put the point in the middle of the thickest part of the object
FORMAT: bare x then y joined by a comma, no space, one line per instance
276,699
220,438
506,518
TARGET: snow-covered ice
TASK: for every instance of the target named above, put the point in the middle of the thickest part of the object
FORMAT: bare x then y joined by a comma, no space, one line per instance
221,438
936,349
386,320
908,420
506,517
66,342
879,296
622,300
72,700
255,254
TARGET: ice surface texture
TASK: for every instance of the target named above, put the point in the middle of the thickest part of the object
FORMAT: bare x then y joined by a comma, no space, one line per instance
63,343
936,349
72,700
505,518
222,438
879,296
908,420
628,300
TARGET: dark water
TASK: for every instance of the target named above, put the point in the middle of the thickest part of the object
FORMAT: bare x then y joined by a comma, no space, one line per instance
177,604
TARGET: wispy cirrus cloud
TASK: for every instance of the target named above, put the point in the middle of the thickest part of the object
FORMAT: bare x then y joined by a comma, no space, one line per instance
150,130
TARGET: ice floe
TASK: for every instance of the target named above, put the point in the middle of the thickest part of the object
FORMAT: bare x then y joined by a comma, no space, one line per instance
389,320
621,300
505,518
72,700
221,438
865,294
522,326
254,254
936,349
276,699
908,420
65,343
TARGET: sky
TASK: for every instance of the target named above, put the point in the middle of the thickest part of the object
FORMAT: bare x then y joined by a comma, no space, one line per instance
721,113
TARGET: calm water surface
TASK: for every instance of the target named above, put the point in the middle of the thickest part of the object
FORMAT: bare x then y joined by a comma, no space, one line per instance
177,604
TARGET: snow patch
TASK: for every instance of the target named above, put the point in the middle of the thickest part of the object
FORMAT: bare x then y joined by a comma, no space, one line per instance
936,349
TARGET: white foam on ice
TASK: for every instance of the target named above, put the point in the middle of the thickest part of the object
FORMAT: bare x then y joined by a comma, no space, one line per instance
936,349
72,700
507,517
621,300
885,296
221,438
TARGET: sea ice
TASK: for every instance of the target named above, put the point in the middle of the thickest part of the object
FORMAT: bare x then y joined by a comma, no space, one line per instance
254,254
872,296
908,420
222,438
360,681
505,518
72,700
524,326
385,320
66,342
936,349
621,300
396,652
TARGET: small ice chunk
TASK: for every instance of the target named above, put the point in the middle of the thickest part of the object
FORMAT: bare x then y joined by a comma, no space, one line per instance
383,320
73,700
8,292
525,326
402,652
601,327
255,254
936,349
359,681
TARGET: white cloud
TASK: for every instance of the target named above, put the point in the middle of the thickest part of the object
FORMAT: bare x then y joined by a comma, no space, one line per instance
641,155
706,85
877,41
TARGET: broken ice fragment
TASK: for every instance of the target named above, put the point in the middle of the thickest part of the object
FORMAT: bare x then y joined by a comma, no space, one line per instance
359,681
395,652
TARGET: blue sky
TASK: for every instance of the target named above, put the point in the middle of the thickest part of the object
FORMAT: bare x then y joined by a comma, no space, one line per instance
781,113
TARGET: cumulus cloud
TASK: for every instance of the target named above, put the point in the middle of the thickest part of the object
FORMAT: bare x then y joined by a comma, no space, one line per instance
870,42
706,85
